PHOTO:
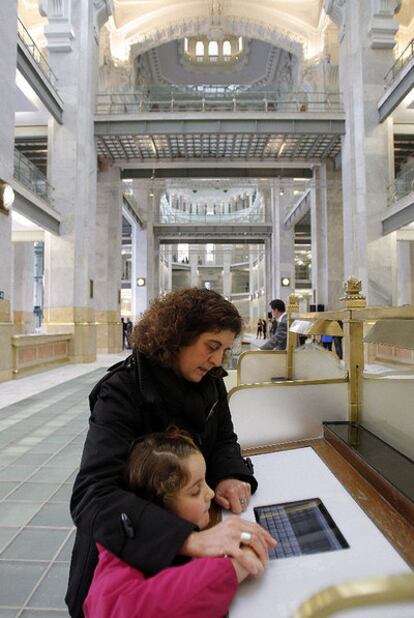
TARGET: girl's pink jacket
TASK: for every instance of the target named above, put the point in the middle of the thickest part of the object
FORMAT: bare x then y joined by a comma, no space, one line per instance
202,588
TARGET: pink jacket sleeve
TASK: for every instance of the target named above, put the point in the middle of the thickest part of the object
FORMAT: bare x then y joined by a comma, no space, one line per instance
204,588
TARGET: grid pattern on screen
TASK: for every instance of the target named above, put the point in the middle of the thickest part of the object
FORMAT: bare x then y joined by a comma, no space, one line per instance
302,527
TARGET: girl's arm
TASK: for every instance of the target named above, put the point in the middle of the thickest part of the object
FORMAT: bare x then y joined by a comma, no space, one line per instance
204,588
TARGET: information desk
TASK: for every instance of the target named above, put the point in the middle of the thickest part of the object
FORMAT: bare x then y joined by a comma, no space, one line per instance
363,551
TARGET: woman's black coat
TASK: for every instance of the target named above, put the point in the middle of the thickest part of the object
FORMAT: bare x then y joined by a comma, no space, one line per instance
133,399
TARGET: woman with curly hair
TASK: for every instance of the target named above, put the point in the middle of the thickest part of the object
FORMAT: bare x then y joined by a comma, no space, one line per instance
173,376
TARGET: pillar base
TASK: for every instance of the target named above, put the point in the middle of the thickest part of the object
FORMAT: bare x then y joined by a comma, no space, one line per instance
80,323
108,332
6,332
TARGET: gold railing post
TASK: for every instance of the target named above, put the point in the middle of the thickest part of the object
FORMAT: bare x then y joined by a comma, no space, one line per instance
292,307
354,348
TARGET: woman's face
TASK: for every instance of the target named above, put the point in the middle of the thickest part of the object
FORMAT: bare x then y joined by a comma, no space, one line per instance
193,500
206,352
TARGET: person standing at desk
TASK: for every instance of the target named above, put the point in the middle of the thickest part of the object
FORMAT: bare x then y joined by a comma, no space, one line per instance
278,341
173,376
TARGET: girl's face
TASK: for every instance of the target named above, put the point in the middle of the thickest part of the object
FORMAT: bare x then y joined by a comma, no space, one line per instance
193,500
206,352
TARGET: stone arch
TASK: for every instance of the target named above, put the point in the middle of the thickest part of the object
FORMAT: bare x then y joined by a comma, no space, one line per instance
291,41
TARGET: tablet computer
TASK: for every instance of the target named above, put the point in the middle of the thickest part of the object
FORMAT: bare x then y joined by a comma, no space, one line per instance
301,527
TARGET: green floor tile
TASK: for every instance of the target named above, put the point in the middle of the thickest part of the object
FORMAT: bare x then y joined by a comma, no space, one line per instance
34,544
18,581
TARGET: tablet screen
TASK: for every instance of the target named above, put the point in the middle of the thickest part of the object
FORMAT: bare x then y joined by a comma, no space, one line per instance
302,527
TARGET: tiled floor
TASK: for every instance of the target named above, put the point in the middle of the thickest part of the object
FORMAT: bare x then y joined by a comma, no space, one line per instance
41,441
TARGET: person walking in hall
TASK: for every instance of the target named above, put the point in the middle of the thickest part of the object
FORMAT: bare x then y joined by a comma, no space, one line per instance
259,331
169,469
173,376
124,334
264,326
278,341
128,327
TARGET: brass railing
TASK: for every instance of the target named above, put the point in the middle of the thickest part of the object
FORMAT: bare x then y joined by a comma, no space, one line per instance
362,593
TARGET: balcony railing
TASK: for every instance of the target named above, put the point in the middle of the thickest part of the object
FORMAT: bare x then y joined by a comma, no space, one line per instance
31,177
238,101
178,218
403,185
37,56
400,63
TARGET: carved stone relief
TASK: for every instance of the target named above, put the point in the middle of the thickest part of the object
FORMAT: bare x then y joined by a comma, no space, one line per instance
103,9
335,9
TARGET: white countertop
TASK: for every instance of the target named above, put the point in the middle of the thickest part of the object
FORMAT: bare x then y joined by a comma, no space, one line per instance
299,474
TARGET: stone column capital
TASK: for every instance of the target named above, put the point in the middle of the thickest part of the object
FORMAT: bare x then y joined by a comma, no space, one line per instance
382,26
59,30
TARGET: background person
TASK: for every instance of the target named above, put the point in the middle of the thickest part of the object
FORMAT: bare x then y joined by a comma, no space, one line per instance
168,469
278,341
128,329
174,376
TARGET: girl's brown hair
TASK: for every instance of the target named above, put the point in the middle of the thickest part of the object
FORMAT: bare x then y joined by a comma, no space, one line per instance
178,319
156,470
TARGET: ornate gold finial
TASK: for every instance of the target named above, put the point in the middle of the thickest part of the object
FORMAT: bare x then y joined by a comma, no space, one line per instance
293,303
353,298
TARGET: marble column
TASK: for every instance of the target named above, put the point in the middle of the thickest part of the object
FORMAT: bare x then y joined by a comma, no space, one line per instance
153,244
145,248
283,244
405,273
367,35
108,260
8,47
227,276
335,236
70,258
319,237
193,257
23,283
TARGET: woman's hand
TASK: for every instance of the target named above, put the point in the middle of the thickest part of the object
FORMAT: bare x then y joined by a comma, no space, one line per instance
225,540
233,495
256,565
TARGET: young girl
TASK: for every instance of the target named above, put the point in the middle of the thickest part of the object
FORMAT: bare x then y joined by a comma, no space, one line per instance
168,469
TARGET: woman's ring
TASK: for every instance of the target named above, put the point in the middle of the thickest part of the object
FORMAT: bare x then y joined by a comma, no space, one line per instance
245,537
242,501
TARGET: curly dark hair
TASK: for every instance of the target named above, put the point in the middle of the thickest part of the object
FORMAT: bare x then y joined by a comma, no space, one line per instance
178,319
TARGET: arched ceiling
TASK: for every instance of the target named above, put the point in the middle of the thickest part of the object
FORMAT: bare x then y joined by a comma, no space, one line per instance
295,26
262,65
